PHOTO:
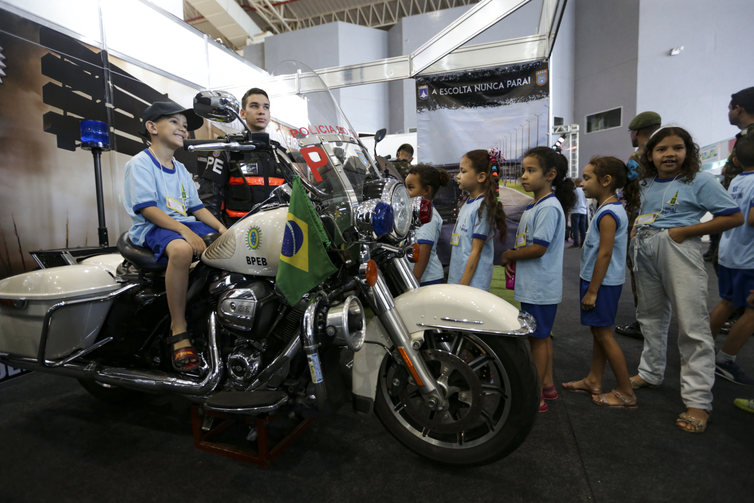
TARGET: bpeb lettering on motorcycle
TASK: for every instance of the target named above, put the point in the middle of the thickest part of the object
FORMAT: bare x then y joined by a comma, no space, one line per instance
445,367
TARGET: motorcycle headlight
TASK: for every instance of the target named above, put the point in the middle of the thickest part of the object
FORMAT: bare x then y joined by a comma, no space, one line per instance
402,209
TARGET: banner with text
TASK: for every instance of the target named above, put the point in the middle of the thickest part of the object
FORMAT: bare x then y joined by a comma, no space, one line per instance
504,107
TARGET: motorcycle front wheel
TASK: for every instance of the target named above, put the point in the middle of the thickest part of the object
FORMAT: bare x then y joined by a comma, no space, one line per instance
492,391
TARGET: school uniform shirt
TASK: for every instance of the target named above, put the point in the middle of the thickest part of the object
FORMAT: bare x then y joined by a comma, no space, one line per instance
429,234
470,226
616,271
540,280
150,184
580,208
736,250
679,204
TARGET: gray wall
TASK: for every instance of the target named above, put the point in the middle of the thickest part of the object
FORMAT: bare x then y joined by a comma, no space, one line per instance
693,88
365,106
337,44
606,53
562,68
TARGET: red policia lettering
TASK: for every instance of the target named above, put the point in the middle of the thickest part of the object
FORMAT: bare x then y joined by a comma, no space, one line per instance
315,164
321,129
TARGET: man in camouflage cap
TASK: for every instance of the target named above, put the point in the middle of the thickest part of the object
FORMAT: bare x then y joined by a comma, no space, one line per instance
640,129
403,158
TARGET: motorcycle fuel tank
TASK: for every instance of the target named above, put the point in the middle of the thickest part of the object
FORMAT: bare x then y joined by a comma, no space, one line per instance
252,246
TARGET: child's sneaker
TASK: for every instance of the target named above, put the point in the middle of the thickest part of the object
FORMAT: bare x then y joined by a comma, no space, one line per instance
734,373
744,404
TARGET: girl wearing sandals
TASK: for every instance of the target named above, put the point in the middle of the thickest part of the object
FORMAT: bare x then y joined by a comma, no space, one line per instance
539,253
669,269
603,272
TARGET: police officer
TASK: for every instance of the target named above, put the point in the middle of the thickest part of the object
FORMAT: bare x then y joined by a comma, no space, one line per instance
232,183
403,158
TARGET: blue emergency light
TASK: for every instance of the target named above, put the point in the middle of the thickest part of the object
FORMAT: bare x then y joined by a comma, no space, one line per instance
95,134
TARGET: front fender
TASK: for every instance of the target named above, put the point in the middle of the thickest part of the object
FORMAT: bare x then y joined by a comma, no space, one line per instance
447,307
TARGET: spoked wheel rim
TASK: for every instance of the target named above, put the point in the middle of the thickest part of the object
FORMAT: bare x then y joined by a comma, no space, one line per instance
477,389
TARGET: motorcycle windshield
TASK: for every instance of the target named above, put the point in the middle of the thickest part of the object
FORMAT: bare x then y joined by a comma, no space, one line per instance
321,142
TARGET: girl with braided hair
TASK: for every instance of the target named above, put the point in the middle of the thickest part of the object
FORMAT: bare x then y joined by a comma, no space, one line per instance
480,218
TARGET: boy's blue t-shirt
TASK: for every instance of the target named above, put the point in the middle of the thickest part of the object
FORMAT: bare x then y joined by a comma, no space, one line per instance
680,204
429,234
737,244
616,271
470,226
150,184
540,280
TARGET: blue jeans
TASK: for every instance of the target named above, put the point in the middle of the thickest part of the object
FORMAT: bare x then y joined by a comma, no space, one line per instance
578,228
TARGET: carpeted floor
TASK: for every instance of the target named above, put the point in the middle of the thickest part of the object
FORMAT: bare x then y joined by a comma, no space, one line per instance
59,444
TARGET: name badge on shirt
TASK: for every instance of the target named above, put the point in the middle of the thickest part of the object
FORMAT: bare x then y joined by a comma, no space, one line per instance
176,205
520,240
455,239
646,219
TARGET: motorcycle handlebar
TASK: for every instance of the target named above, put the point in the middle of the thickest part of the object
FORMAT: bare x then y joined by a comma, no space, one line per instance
188,143
229,147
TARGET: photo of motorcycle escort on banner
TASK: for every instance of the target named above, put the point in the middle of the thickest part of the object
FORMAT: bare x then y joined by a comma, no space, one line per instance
504,108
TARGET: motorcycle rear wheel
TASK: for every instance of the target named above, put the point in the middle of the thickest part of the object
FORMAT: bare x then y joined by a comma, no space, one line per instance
492,389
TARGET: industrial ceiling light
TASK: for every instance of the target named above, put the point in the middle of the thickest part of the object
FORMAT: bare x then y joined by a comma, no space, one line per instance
675,51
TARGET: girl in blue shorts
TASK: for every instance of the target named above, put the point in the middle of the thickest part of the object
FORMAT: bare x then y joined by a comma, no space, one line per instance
669,268
603,272
481,215
424,181
538,253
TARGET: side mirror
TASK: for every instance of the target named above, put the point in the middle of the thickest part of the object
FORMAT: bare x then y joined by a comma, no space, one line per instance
218,106
379,135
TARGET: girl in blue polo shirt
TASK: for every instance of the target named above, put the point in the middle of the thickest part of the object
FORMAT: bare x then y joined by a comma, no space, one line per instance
669,269
539,253
424,181
480,216
603,272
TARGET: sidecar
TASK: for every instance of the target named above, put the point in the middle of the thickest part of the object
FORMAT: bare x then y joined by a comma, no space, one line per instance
58,308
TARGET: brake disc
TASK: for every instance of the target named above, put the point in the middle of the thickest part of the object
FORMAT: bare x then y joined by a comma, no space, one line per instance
463,393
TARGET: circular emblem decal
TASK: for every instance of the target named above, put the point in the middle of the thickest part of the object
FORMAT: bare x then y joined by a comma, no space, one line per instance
293,239
254,238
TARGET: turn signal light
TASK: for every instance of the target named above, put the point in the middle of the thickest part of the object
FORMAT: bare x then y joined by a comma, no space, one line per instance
411,367
415,253
425,212
372,273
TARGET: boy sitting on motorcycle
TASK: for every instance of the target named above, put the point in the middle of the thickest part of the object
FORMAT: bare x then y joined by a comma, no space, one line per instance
161,198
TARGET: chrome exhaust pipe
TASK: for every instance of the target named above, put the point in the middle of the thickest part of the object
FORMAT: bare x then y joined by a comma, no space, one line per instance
142,380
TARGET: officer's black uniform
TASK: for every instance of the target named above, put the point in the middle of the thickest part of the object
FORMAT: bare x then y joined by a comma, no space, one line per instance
232,183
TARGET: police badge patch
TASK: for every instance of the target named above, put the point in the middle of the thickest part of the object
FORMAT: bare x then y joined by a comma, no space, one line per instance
423,92
254,238
363,159
541,77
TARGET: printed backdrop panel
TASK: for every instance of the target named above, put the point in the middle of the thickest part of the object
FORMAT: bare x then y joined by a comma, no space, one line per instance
504,107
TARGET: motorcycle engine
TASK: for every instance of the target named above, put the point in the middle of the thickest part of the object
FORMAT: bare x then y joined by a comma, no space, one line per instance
243,365
247,308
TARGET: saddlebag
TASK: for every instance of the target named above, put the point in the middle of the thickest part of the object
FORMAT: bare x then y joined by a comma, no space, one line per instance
25,300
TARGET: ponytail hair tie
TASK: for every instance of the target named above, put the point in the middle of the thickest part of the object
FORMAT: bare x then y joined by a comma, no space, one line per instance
632,168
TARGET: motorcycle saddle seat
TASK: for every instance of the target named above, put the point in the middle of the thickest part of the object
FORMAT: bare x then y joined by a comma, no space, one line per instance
143,258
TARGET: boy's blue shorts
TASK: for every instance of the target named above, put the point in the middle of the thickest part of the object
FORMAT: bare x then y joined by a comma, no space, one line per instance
604,311
544,316
735,284
433,282
157,239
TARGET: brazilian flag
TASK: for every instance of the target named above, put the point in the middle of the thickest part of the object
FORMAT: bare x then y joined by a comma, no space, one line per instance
304,263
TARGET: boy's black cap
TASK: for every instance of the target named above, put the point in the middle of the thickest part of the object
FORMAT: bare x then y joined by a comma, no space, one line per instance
162,108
